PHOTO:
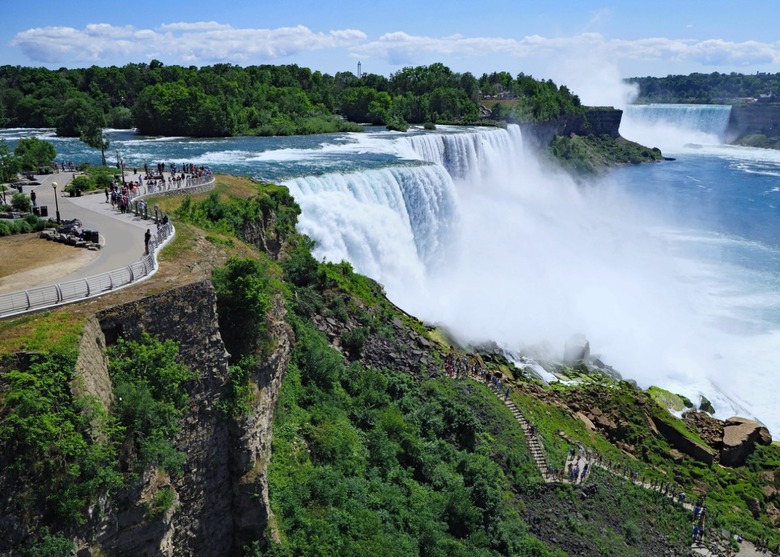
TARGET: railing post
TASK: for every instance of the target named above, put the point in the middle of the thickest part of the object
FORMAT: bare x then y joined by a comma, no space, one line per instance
130,268
59,292
27,295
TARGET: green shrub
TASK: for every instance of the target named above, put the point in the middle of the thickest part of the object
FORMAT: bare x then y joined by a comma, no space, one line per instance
47,545
245,289
354,340
21,203
81,183
150,398
22,227
161,502
49,432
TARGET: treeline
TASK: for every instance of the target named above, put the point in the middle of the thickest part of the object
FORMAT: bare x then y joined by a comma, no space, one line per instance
713,88
228,100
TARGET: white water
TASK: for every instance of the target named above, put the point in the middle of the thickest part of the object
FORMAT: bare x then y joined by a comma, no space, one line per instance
675,125
487,242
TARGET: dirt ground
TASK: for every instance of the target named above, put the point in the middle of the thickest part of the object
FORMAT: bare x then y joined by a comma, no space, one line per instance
26,261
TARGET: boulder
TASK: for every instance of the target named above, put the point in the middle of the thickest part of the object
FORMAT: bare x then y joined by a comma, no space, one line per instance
576,350
706,406
683,443
740,436
587,421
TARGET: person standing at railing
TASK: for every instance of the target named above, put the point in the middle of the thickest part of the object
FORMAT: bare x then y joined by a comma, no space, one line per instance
147,239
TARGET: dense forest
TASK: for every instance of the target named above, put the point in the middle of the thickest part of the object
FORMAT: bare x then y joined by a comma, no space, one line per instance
228,100
713,88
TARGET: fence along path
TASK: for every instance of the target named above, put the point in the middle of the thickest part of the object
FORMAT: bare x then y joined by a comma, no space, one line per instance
42,297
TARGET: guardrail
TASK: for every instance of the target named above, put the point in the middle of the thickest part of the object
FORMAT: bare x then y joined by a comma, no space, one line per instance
32,299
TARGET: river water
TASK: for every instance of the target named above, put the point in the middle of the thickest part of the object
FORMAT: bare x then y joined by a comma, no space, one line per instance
671,270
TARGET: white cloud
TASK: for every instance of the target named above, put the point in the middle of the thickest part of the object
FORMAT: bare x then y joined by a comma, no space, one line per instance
204,42
208,42
400,47
194,26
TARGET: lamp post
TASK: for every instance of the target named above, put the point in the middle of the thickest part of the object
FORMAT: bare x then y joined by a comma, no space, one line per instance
122,169
56,202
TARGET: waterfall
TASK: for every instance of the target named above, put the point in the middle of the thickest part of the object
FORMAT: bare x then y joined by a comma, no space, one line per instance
397,223
675,125
466,156
390,223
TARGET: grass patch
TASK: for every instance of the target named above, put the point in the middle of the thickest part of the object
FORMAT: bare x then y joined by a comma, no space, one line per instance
54,330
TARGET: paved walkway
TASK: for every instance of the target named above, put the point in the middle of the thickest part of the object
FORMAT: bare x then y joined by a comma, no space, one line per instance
121,261
122,237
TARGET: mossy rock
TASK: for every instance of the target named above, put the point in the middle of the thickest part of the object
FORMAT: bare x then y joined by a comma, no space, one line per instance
671,401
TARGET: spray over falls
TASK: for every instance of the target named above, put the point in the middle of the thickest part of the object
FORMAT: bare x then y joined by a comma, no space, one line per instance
474,234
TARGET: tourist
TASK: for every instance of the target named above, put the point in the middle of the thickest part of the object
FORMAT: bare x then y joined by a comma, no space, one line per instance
147,239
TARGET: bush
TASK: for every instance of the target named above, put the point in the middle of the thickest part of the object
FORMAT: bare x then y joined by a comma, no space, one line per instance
21,203
150,398
51,546
354,341
82,183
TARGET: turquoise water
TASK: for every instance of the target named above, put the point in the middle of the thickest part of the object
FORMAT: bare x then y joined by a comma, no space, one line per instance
671,270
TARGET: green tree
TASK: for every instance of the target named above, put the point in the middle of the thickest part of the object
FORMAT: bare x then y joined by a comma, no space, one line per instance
91,133
243,300
10,165
34,153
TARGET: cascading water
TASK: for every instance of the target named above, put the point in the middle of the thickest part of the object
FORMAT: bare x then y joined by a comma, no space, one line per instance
672,126
524,256
390,223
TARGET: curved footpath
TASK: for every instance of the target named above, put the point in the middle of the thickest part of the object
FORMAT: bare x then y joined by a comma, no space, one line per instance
121,240
122,237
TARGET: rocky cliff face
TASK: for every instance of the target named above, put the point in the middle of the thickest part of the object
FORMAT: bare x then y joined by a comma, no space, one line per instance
595,121
220,501
751,119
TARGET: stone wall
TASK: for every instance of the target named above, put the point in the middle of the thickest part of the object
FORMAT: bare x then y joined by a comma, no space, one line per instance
91,374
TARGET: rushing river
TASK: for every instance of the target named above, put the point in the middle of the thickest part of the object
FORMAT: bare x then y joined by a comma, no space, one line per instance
672,270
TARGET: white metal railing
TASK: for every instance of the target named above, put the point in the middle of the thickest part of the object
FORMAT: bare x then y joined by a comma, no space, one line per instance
16,303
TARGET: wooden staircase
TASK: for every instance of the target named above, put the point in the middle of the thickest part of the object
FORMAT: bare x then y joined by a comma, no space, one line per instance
534,445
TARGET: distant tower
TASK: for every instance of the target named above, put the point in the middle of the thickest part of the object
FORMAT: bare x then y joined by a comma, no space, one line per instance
360,71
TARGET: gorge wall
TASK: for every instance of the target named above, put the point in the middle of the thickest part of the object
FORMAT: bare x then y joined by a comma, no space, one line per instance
221,498
595,121
220,501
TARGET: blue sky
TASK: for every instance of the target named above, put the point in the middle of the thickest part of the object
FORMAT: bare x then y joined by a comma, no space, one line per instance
587,45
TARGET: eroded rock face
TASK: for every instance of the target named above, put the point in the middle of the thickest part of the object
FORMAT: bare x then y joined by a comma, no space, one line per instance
740,436
577,350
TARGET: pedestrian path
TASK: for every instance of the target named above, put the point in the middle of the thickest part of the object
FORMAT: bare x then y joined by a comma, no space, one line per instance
122,260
